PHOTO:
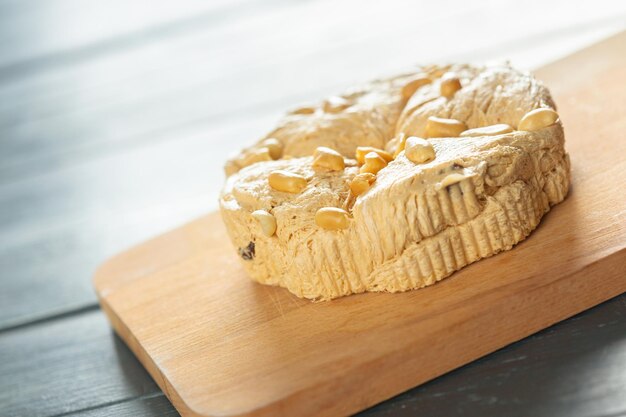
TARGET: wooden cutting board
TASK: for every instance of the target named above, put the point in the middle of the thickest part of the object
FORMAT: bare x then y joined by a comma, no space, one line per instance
221,345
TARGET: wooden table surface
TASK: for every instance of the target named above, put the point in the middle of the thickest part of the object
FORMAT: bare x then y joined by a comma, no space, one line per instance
115,118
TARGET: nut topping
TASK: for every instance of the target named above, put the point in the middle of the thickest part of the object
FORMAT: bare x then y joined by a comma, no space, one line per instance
274,146
437,127
450,84
266,220
493,130
328,158
332,218
361,183
373,163
361,151
419,150
538,119
286,181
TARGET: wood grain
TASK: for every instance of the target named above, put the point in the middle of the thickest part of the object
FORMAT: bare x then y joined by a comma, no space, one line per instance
77,366
100,152
82,99
225,346
552,373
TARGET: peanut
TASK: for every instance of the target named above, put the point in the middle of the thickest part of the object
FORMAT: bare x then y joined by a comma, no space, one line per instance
328,158
361,151
266,220
256,155
493,130
274,146
332,218
231,168
450,84
303,110
437,127
419,150
287,181
336,104
538,119
373,163
361,183
450,180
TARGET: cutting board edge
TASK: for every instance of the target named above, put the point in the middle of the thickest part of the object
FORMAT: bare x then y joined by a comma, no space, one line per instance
386,391
609,265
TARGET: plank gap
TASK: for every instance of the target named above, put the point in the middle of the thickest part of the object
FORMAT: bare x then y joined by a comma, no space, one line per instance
63,314
112,403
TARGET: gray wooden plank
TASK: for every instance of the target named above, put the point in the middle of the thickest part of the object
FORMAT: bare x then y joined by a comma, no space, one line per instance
573,369
147,406
76,366
68,115
231,70
56,229
59,223
90,166
67,365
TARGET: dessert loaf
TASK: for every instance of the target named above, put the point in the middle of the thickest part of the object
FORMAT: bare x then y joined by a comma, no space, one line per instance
397,184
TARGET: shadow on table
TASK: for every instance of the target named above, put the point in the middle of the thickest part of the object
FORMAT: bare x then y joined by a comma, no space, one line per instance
149,399
547,374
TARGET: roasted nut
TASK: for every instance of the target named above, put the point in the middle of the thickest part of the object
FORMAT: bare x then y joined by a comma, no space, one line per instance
361,183
361,151
287,181
419,150
435,71
231,167
336,104
256,155
401,144
451,179
493,130
266,220
332,218
303,110
274,146
373,163
328,158
450,84
538,119
437,127
411,87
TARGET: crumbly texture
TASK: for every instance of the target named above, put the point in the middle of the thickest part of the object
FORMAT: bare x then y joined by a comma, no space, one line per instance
418,223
